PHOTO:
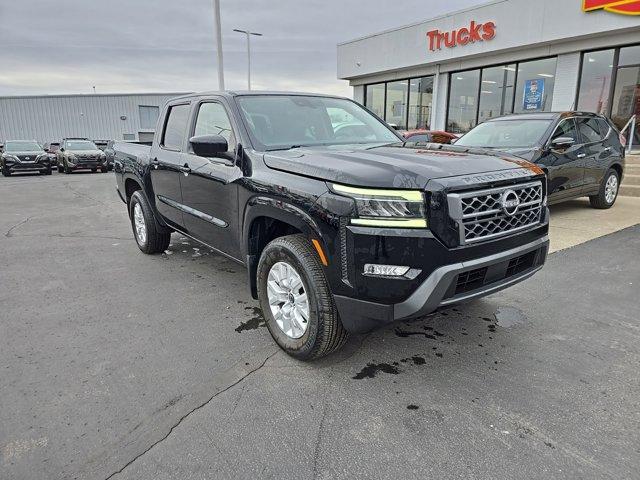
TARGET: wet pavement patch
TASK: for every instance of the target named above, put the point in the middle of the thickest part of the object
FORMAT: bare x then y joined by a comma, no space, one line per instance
412,407
253,323
372,369
406,334
509,317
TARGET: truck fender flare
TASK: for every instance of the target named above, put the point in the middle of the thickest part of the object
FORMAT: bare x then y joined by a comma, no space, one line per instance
278,210
144,188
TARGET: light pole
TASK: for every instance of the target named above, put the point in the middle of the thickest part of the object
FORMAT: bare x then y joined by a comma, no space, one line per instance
248,34
216,14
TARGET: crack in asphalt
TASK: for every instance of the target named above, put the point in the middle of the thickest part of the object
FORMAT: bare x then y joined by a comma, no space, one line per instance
9,233
186,415
83,195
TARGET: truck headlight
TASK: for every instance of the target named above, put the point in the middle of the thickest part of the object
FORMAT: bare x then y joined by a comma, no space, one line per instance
386,208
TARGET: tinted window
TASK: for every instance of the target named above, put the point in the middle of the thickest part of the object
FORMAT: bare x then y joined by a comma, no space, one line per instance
22,147
213,120
566,128
506,134
590,129
176,127
604,127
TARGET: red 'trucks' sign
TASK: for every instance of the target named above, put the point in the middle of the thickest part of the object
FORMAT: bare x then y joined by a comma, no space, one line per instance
626,7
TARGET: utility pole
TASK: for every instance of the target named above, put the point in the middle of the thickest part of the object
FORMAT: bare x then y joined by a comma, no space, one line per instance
216,11
248,34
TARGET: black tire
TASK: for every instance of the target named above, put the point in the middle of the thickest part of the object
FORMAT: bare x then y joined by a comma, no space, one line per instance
6,172
324,333
60,170
48,171
104,170
67,170
600,200
94,170
156,242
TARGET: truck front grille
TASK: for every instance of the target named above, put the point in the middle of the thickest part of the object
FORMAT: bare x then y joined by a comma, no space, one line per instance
488,214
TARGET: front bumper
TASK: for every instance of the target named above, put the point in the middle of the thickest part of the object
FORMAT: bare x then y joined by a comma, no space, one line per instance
28,166
448,285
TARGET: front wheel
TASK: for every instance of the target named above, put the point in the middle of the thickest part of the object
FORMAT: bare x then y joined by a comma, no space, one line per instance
296,299
6,172
147,236
67,170
608,193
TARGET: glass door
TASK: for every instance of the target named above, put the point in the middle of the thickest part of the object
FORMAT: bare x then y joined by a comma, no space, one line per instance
626,98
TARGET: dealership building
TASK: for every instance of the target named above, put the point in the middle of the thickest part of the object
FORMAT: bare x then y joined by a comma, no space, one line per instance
50,118
457,70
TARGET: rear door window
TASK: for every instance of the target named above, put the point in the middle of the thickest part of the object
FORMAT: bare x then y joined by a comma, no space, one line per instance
176,127
605,128
589,129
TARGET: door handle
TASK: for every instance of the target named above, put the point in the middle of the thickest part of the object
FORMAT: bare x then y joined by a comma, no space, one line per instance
185,168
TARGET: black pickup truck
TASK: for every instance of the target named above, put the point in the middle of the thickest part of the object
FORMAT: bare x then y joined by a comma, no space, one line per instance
342,225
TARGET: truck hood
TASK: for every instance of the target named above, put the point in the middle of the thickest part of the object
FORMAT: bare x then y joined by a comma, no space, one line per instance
390,166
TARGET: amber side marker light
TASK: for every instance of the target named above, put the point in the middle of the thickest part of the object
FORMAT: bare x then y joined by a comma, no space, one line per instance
318,247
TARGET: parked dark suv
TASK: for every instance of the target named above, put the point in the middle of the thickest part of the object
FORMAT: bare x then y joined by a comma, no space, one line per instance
24,156
80,154
582,153
340,230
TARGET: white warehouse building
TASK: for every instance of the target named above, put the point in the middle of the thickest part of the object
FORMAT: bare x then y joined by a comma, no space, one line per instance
455,71
50,118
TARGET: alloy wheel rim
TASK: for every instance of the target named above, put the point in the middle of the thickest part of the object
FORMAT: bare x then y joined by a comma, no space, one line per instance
288,300
140,226
611,189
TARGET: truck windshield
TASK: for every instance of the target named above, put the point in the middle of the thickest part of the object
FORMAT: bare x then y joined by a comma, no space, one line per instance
22,147
506,134
81,145
282,122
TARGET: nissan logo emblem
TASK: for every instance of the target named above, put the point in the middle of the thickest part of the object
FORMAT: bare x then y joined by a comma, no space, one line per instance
510,202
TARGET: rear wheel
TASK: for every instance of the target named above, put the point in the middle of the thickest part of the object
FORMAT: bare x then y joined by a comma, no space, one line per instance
60,170
608,193
104,170
296,299
94,170
147,236
67,170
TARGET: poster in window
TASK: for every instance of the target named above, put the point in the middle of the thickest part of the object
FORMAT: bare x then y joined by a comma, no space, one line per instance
533,94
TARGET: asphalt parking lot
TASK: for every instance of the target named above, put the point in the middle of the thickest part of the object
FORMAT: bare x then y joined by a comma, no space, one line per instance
120,365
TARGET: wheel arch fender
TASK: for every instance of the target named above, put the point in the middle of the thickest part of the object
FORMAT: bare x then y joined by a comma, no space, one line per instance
277,210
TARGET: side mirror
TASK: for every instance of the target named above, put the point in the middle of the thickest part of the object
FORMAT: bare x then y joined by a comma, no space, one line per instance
562,143
209,146
62,149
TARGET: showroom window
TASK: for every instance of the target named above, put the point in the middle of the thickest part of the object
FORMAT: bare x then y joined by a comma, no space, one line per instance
609,84
496,93
396,104
420,100
595,81
405,104
534,89
375,98
476,96
463,101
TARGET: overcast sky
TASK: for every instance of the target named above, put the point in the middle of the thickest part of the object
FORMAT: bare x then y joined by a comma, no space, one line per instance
67,46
